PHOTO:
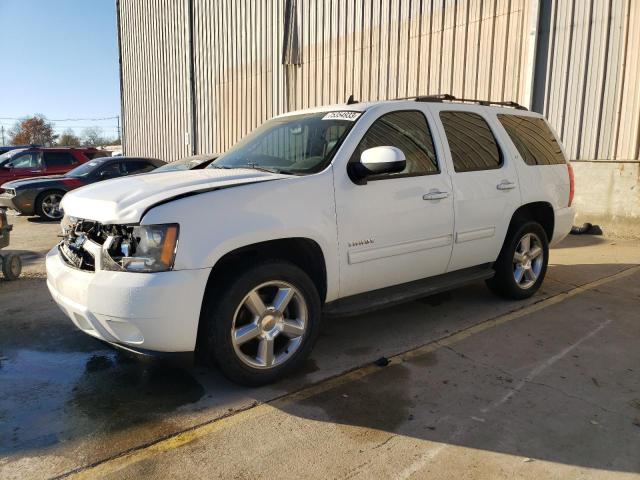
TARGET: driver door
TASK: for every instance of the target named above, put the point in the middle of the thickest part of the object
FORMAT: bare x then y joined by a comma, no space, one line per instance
28,164
398,227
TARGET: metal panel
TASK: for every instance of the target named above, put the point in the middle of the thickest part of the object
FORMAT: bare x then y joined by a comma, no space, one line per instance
155,89
586,73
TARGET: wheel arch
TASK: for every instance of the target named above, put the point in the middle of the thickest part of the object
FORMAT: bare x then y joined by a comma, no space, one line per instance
540,212
302,252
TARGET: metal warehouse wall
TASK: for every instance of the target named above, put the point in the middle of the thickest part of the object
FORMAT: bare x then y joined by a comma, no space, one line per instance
155,77
587,76
583,74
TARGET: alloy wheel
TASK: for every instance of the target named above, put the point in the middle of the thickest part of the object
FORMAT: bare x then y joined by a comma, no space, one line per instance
528,260
269,325
51,206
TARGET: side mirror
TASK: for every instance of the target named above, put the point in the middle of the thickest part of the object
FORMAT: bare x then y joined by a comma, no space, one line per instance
376,161
105,174
8,165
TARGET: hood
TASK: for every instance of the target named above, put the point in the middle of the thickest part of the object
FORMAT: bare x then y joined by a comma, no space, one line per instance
31,181
126,200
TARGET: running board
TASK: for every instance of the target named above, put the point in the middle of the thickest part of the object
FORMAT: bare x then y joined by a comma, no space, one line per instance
405,292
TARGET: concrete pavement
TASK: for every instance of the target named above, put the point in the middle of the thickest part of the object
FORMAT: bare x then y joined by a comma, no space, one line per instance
477,388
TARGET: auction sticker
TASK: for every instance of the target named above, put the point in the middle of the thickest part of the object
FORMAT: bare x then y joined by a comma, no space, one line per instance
350,116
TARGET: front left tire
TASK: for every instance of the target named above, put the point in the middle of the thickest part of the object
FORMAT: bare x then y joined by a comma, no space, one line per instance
47,205
263,324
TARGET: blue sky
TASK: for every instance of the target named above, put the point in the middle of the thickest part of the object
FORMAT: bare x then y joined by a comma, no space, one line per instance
59,58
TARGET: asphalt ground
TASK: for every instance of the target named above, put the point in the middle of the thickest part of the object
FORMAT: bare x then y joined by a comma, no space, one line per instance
476,387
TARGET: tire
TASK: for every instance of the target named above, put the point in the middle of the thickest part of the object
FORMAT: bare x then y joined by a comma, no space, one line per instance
47,205
515,261
11,267
242,323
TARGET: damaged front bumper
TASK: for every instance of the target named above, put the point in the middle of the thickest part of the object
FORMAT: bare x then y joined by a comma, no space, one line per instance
141,312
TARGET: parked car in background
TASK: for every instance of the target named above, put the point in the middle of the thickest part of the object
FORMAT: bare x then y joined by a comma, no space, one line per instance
8,148
42,195
40,161
336,210
193,162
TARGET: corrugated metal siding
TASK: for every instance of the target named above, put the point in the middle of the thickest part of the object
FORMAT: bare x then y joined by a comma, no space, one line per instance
586,72
590,90
155,80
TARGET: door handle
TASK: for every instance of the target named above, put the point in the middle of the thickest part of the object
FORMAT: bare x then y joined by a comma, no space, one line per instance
506,185
435,195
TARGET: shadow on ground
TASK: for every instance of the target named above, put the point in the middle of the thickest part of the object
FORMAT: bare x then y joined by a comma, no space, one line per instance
61,388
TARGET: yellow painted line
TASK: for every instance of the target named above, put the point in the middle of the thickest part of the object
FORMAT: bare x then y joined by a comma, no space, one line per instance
115,464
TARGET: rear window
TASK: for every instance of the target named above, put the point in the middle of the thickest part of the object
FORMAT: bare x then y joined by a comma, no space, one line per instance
58,159
534,139
471,142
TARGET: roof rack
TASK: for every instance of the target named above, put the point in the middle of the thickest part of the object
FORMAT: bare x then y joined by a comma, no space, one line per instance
450,98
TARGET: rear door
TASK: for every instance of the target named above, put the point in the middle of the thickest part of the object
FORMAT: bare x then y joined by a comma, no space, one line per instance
58,162
485,182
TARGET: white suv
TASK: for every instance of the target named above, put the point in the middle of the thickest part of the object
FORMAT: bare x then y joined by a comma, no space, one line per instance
335,210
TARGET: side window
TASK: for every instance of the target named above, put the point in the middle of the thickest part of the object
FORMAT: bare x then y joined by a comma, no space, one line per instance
26,160
471,142
110,170
408,131
534,139
132,167
59,159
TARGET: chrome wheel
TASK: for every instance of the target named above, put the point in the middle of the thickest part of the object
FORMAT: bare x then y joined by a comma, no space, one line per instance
269,325
50,206
528,260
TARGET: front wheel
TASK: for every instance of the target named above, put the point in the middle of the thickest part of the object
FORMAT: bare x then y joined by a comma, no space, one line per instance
48,205
522,264
262,325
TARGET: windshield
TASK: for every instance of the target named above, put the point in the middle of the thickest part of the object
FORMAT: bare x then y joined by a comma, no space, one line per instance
5,157
297,144
85,169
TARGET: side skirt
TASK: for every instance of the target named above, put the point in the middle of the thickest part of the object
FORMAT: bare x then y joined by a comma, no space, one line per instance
405,292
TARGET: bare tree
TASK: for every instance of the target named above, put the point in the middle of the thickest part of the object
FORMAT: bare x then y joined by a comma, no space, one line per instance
37,130
68,139
93,137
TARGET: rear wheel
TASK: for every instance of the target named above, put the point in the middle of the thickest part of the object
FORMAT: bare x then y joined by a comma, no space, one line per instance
522,264
48,205
262,325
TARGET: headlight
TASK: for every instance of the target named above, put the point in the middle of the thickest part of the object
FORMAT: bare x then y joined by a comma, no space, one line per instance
145,248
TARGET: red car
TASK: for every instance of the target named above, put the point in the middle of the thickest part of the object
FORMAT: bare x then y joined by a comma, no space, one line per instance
38,161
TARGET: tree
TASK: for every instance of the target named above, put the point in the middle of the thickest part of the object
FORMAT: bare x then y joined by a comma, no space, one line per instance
36,129
69,139
93,137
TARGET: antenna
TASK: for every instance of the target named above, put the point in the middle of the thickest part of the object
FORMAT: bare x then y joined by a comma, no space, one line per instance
351,100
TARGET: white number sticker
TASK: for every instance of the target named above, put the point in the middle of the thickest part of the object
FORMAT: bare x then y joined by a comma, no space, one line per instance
350,116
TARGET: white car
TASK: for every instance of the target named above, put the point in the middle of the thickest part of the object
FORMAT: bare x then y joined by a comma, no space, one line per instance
334,210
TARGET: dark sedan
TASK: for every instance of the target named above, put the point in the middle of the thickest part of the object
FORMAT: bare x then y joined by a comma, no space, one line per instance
42,195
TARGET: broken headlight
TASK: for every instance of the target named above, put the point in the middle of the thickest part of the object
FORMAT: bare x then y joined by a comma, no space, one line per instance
144,248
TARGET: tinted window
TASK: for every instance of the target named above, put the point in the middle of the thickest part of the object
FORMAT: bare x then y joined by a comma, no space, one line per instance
111,170
471,142
407,131
58,159
26,160
132,167
534,139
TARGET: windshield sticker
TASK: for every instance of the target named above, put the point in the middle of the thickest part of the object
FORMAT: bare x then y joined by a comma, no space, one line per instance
350,116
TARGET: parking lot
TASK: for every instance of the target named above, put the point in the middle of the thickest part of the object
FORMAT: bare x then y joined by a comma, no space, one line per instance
475,387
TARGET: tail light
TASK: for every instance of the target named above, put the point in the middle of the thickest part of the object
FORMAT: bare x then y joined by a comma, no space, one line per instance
572,183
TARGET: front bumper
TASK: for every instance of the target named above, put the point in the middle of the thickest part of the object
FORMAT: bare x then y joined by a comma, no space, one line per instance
564,218
141,312
21,203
